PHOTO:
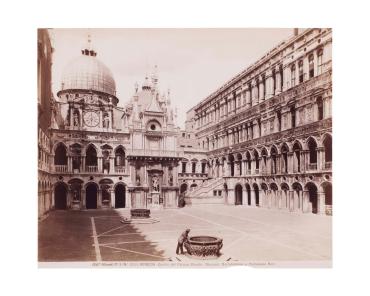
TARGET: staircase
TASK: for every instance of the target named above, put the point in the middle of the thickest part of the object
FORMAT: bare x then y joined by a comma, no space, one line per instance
204,193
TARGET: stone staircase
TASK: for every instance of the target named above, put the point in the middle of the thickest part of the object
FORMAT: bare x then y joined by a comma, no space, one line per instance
204,193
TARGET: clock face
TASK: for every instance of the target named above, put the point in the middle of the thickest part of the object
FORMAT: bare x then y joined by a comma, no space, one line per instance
91,118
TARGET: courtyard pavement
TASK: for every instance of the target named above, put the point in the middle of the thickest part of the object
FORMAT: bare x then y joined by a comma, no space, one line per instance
249,235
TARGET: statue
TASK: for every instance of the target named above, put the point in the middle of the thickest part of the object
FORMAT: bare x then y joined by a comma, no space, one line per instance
106,121
75,120
155,183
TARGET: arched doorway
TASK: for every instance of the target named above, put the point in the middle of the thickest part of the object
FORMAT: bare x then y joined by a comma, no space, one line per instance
60,196
120,196
91,196
248,193
256,194
183,188
328,198
238,194
312,193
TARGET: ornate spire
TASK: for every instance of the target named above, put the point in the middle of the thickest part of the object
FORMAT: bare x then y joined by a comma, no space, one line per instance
88,50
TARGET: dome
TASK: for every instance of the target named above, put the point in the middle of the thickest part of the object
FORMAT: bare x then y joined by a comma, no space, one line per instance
88,73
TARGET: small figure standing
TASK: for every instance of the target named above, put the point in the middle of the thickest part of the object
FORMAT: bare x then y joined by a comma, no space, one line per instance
183,238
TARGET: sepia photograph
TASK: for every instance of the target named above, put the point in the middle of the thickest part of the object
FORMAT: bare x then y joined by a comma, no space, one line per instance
184,147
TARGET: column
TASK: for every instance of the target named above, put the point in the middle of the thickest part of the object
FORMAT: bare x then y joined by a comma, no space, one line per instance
100,164
83,160
113,198
83,198
306,202
261,90
291,201
269,84
99,205
69,164
69,197
111,164
253,197
244,196
290,162
321,202
320,158
277,81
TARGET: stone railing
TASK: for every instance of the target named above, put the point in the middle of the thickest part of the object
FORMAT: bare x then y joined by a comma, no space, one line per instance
61,168
157,153
120,169
193,175
328,165
312,166
91,168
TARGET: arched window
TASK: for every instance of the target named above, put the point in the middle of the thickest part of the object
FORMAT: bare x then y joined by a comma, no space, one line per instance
193,167
328,150
120,157
312,147
320,109
292,75
257,162
300,71
319,61
292,113
91,156
284,154
60,155
273,160
297,157
311,66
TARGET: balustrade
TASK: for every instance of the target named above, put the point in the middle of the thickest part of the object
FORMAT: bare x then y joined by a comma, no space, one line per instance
61,168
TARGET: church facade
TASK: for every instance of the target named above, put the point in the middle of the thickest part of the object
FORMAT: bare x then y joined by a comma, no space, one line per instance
262,139
106,156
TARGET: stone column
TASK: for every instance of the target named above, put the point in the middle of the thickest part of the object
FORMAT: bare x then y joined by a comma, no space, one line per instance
261,90
69,164
306,202
253,197
269,84
290,162
99,205
291,200
320,158
69,198
113,198
321,203
83,163
100,164
83,199
278,81
244,196
111,165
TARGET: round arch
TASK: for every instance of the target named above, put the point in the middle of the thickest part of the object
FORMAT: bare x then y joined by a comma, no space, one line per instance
60,195
312,189
91,189
238,194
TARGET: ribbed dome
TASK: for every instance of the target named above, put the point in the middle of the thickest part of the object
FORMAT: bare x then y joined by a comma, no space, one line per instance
88,73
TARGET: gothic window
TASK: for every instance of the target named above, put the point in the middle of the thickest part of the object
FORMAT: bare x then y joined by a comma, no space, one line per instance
284,154
328,149
292,75
278,115
60,155
312,147
300,71
320,109
91,156
293,119
319,61
183,167
203,168
120,157
311,71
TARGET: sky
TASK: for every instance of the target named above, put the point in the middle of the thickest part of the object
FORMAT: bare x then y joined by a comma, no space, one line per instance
192,63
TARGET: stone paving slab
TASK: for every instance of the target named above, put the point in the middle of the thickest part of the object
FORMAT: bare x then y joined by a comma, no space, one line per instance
249,234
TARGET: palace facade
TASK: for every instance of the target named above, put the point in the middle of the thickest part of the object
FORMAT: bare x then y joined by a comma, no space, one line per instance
268,131
262,139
